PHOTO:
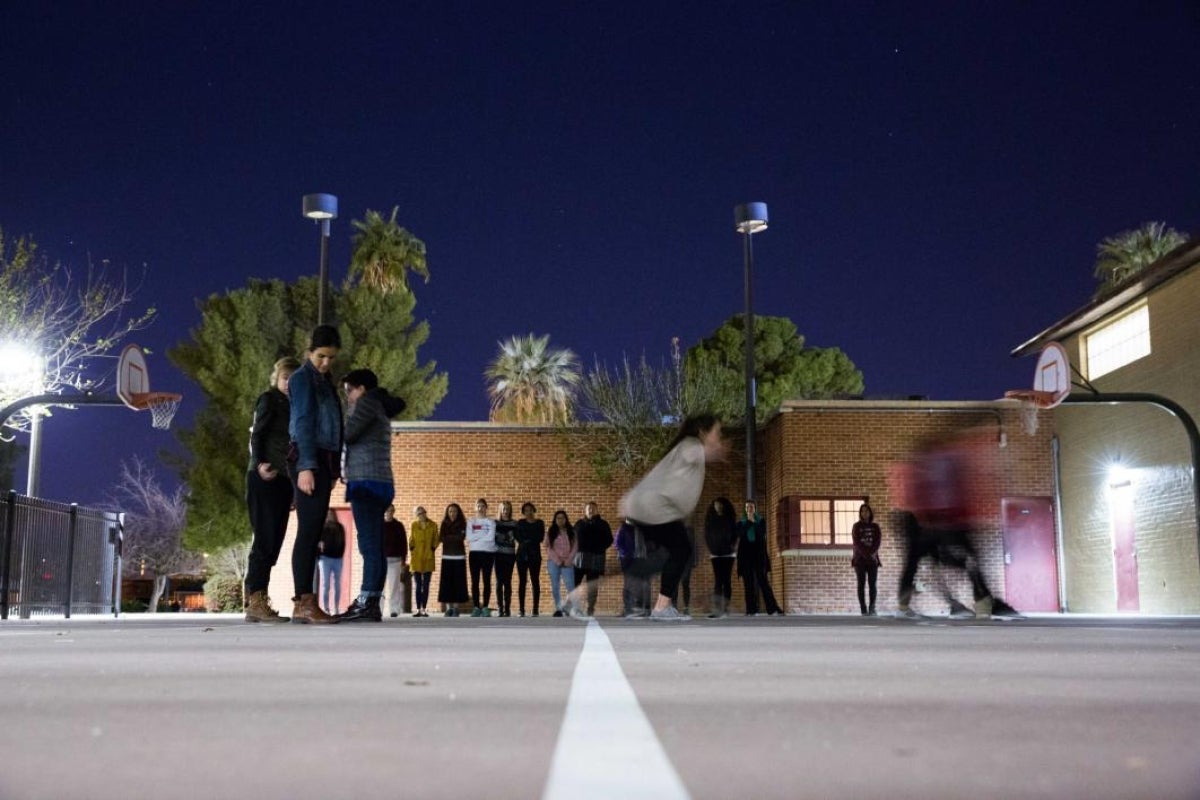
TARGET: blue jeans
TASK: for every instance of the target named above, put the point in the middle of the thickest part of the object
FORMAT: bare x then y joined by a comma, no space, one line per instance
368,508
568,576
331,584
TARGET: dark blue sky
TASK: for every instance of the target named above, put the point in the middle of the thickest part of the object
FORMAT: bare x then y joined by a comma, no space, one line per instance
938,174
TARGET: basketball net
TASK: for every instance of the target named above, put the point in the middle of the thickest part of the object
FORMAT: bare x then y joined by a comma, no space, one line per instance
162,407
1032,401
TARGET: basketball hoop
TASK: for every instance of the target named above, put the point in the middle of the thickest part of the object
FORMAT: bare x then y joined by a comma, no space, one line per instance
1032,401
162,406
1051,385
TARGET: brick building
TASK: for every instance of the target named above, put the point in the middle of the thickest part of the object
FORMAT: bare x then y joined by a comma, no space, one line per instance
1128,509
818,460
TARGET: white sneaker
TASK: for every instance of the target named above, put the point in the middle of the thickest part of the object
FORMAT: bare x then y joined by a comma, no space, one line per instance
669,614
575,612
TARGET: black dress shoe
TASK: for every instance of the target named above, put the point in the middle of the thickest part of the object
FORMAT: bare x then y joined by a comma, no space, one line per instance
362,612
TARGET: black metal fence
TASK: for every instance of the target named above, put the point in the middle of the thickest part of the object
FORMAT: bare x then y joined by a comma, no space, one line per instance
57,558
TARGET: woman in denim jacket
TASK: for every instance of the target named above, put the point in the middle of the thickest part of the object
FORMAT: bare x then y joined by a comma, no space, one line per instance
315,429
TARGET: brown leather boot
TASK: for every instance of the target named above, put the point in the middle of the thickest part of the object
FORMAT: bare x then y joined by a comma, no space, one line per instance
306,611
258,609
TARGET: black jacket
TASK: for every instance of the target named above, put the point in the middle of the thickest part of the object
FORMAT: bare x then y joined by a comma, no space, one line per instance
269,431
593,535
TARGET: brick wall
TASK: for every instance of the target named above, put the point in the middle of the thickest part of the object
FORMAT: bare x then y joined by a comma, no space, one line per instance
811,448
844,449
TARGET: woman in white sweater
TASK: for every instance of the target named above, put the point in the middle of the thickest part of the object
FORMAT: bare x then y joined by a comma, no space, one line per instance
481,557
667,495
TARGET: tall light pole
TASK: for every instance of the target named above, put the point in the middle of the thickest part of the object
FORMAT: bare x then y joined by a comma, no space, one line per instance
22,374
749,219
321,208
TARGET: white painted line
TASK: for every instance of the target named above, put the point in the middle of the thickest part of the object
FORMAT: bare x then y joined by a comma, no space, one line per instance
606,746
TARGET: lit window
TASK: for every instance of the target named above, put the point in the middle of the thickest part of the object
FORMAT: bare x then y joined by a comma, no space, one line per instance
1120,342
816,521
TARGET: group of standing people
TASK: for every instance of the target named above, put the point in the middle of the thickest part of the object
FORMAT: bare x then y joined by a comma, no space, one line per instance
741,542
496,547
302,442
299,430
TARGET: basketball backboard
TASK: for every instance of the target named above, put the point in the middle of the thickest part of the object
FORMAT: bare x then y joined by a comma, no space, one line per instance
132,377
133,387
1053,372
1051,379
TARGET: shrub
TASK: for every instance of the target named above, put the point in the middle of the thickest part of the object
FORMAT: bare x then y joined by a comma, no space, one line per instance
223,593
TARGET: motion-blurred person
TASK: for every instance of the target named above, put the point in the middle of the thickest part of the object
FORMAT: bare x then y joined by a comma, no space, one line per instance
720,534
593,537
481,556
685,580
939,518
506,557
560,557
395,550
452,589
635,589
866,537
314,461
754,561
422,544
667,495
531,532
268,490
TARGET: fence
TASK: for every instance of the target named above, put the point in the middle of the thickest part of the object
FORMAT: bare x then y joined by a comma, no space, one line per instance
57,558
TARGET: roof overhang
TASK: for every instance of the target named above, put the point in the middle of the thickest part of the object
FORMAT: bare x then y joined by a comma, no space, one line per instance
1179,260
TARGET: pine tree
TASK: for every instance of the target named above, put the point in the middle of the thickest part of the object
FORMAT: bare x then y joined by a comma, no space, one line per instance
230,354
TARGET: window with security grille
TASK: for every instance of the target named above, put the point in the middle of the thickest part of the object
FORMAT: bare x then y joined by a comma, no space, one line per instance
1119,342
812,522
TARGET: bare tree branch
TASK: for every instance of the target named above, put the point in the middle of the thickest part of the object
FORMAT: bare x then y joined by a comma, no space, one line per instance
63,319
154,521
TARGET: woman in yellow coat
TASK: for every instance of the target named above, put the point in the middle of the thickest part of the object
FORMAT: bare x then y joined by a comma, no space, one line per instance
422,541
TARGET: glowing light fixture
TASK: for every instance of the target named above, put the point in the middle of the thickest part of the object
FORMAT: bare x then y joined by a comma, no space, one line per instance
1119,476
321,208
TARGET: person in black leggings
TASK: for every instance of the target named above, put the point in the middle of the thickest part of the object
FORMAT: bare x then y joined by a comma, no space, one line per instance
720,534
314,461
866,537
531,532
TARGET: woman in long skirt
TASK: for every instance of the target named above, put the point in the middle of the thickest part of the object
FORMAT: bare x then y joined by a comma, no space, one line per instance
453,536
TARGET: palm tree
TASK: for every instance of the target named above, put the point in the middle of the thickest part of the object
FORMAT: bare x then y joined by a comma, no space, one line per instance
384,253
532,383
1125,255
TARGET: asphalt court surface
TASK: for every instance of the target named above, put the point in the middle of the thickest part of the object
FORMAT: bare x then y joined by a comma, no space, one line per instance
796,707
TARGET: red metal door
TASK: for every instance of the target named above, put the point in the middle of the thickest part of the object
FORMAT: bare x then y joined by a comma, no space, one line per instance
1125,566
1030,567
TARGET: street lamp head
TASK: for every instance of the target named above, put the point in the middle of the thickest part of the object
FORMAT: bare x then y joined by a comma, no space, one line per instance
750,217
320,206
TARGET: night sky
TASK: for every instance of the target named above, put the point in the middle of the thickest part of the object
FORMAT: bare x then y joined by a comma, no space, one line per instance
938,175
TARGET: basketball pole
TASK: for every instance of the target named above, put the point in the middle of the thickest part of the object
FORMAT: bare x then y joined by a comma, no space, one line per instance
35,433
1171,407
